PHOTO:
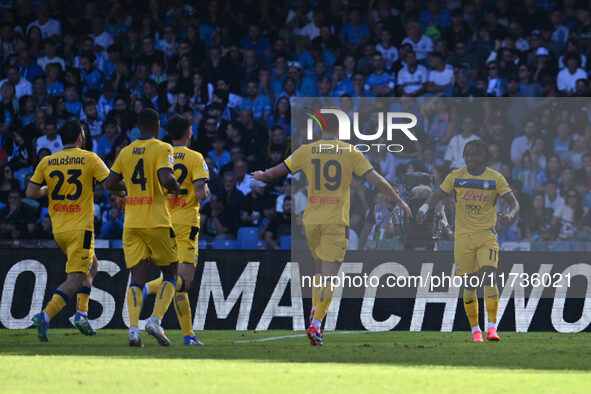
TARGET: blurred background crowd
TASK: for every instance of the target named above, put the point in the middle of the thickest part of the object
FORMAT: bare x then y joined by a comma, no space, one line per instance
235,66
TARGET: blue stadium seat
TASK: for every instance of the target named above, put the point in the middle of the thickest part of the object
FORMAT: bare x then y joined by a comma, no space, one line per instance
257,244
248,234
225,244
286,242
44,212
116,244
202,244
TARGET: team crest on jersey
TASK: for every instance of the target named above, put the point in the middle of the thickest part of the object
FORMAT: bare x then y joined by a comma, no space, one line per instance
485,185
171,160
205,167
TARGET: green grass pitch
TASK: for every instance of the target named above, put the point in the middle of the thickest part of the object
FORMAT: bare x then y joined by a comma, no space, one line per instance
349,362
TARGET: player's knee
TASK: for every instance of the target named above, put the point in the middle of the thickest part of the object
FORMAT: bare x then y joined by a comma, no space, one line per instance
186,282
488,275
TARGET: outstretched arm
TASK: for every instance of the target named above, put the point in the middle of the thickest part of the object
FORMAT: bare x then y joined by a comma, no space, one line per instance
269,174
382,185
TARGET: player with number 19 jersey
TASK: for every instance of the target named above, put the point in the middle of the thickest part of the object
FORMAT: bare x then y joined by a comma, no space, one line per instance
70,175
147,227
329,165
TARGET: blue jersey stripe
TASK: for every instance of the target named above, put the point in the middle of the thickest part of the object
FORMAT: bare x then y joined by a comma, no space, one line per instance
481,184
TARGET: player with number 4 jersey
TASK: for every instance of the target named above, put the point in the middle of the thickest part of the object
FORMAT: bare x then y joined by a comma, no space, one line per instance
146,167
67,178
329,165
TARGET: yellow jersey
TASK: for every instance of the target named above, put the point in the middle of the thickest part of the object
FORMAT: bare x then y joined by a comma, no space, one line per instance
70,175
189,167
329,165
476,198
139,164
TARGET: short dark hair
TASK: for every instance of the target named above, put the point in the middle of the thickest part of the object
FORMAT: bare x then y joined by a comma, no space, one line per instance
177,126
70,131
148,121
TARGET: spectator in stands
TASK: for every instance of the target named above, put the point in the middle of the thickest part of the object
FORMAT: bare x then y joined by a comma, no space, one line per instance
412,78
21,85
50,140
379,83
279,226
567,77
217,221
17,220
106,141
7,183
454,155
553,200
569,216
536,224
524,142
113,227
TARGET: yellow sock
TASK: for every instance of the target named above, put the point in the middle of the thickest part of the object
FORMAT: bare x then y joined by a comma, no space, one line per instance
471,306
183,312
316,289
134,303
324,302
82,298
56,304
154,285
491,299
164,297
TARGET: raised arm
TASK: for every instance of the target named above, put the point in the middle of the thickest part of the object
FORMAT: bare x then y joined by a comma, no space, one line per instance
382,185
269,174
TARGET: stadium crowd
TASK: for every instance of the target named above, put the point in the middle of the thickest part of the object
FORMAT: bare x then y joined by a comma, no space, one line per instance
234,66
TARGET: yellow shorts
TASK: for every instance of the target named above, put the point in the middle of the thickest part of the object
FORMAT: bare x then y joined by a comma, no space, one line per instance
474,251
328,242
156,244
187,241
78,245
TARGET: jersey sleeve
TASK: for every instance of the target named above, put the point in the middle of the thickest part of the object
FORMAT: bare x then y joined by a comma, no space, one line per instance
295,160
361,165
165,159
200,170
447,186
100,170
502,186
38,178
116,168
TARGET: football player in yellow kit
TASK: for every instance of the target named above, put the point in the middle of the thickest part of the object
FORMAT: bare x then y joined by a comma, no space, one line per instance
329,165
146,167
193,174
67,178
476,248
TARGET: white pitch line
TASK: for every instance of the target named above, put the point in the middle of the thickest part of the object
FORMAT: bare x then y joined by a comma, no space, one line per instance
294,336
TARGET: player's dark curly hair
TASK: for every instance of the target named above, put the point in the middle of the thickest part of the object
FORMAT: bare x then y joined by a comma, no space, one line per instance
482,148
